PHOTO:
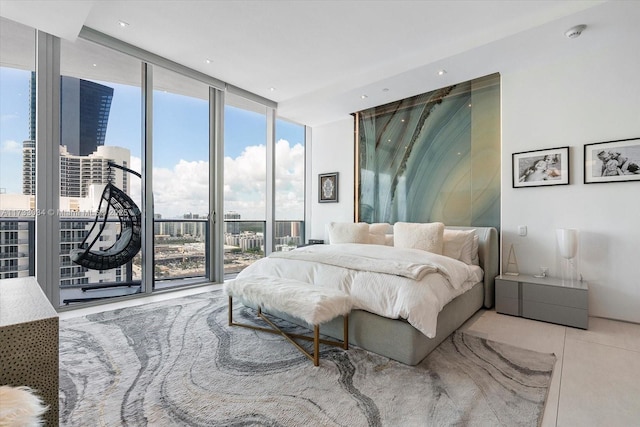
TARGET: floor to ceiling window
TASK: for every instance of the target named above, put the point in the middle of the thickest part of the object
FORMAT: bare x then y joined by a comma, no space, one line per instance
180,179
17,149
100,143
135,140
289,164
245,183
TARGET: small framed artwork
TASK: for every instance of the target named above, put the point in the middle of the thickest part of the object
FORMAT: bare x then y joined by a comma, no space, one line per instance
328,187
612,161
541,167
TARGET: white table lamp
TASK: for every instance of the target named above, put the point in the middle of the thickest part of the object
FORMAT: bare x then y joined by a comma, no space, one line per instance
568,249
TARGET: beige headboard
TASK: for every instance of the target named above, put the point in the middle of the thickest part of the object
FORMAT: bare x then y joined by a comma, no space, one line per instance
488,252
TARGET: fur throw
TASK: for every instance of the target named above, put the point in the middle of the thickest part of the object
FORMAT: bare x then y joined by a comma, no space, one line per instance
20,407
311,303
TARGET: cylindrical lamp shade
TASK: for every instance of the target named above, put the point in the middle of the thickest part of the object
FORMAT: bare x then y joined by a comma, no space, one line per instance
567,242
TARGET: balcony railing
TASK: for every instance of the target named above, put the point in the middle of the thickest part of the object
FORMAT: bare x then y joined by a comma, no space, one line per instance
181,251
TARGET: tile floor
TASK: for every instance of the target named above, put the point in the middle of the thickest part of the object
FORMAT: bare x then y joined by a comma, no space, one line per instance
596,380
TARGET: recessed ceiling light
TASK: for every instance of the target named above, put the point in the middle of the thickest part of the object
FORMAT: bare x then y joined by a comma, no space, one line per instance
363,96
207,61
442,72
95,65
272,89
123,24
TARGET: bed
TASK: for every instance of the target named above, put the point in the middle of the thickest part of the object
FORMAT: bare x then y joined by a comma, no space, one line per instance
407,299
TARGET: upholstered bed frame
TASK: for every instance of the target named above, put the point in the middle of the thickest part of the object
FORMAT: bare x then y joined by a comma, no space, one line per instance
396,338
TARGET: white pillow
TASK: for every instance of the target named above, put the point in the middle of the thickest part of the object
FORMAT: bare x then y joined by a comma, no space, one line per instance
475,259
379,232
458,244
381,239
427,237
380,228
376,239
348,232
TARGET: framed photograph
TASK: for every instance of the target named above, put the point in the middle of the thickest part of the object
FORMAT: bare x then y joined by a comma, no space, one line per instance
612,161
328,187
541,167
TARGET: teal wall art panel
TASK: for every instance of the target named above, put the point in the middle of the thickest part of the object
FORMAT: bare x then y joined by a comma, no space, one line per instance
432,157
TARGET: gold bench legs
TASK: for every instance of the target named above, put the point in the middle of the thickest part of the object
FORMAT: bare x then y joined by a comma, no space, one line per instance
315,357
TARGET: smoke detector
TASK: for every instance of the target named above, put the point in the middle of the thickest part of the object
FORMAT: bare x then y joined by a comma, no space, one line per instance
574,32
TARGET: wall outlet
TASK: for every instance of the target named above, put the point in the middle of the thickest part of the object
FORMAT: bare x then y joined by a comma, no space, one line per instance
522,230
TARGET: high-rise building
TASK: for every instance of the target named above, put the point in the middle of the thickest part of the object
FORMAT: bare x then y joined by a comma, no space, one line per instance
232,227
14,248
193,229
84,111
29,167
77,173
84,108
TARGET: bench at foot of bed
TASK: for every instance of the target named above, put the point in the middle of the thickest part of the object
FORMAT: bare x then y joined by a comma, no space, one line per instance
313,304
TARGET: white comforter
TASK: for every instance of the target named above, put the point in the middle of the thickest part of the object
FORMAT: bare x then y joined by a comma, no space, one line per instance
388,281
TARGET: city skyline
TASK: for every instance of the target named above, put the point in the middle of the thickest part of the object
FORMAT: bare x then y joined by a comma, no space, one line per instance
245,166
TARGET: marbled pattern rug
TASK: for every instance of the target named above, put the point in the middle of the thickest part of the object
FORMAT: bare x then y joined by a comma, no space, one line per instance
177,363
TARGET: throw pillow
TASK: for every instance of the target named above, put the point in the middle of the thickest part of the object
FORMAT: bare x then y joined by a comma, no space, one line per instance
427,237
458,244
348,232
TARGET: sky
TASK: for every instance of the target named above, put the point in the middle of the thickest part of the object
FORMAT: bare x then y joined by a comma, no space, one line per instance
180,151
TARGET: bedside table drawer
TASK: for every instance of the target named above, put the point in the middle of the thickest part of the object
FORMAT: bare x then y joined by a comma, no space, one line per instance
507,289
555,295
508,305
562,315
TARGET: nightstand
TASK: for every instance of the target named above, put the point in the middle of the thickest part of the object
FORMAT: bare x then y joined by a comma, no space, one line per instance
543,298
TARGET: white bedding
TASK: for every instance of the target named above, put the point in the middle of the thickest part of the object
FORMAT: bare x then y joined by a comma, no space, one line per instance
439,278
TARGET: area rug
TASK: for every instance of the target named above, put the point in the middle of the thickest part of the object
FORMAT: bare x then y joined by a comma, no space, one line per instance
177,362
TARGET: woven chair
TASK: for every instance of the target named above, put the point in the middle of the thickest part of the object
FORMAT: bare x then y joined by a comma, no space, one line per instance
129,241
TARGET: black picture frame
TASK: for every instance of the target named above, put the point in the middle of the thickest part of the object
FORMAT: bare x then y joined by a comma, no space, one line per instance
328,187
612,161
539,168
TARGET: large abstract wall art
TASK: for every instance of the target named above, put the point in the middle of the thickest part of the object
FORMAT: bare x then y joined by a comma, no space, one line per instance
432,157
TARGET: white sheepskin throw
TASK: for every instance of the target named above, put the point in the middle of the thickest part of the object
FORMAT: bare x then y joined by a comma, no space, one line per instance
20,407
313,304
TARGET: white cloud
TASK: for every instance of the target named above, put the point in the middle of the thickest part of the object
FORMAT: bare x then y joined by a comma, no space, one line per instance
289,175
11,147
245,183
185,187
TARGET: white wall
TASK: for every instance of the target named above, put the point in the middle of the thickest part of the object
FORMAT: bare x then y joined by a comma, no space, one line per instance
332,150
577,101
566,102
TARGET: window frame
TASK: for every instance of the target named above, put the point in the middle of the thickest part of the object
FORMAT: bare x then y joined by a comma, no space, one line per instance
47,227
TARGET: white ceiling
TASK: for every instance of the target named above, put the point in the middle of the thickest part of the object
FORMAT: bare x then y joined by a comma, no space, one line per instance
321,56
